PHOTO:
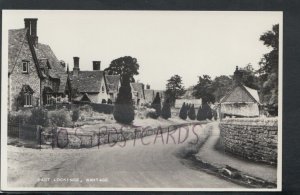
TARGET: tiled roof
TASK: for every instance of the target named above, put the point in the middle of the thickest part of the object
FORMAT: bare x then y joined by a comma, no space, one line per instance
16,39
44,51
138,87
87,81
149,95
112,82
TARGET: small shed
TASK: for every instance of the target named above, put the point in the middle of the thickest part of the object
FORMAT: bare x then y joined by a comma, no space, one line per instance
241,101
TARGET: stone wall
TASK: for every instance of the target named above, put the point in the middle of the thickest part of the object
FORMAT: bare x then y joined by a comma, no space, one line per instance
254,138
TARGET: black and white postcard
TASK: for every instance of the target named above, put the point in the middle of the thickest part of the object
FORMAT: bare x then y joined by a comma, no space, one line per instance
141,100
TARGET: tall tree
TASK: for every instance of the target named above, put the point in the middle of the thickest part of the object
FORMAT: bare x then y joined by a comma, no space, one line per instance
249,77
204,89
166,110
221,85
192,113
156,104
183,111
123,109
174,88
269,68
126,66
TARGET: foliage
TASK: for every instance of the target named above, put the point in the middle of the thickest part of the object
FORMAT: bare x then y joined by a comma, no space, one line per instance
59,118
204,89
75,115
269,68
156,104
123,109
19,117
183,111
103,101
174,88
166,110
109,101
192,113
126,66
86,108
249,77
39,116
200,114
221,85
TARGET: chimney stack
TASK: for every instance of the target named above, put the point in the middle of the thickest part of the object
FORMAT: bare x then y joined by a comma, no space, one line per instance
31,25
96,65
237,76
76,66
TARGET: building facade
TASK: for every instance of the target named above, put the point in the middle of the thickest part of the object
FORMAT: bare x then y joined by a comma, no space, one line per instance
35,76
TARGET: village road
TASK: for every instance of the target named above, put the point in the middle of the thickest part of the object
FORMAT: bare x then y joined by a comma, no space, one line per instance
148,163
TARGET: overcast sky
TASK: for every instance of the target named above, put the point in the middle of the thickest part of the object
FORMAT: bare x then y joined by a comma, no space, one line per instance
165,43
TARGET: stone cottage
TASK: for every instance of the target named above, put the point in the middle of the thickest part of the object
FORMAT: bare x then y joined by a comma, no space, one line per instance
138,95
113,83
89,86
241,101
35,75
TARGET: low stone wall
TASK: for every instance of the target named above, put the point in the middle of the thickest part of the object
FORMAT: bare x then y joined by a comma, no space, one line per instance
251,138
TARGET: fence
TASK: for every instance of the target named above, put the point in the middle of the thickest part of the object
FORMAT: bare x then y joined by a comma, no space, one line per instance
75,138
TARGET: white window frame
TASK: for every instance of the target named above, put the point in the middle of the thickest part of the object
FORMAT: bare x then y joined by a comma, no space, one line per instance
26,63
48,99
28,100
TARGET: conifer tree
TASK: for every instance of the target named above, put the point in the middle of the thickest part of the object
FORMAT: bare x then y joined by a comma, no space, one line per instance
200,114
166,110
192,114
183,111
156,104
123,109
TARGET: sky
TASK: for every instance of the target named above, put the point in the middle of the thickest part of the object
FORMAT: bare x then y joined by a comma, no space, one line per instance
165,43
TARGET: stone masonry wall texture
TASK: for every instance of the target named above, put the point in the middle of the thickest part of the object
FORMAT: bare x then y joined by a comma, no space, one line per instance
254,138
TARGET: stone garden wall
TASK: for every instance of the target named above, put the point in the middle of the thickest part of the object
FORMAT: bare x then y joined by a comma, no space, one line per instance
251,138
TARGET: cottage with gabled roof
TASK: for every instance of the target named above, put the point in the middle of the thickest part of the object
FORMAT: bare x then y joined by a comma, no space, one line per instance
34,73
113,83
90,85
138,95
241,101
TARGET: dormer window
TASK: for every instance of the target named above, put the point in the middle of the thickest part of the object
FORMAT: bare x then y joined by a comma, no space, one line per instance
25,66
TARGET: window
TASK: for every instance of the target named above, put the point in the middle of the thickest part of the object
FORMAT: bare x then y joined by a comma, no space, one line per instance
28,100
48,99
25,66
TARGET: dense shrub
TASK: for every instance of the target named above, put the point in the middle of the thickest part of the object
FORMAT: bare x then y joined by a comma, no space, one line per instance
166,110
192,113
156,104
183,111
60,118
109,101
123,109
103,108
103,101
75,115
19,117
86,108
39,116
204,112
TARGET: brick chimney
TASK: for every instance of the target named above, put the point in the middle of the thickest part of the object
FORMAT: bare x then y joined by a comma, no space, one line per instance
96,65
76,66
31,25
237,76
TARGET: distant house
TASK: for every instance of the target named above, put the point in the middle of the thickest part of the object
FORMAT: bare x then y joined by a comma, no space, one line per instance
241,101
138,96
151,93
89,85
35,76
113,84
